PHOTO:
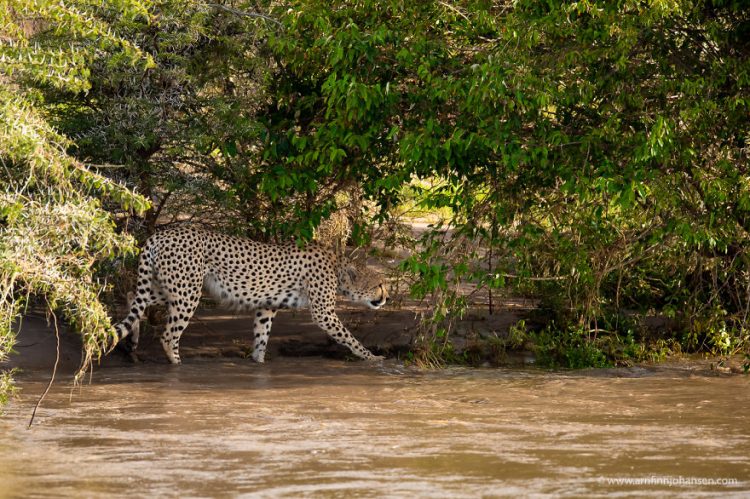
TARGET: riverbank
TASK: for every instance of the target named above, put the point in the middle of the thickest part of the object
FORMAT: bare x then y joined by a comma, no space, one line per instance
479,339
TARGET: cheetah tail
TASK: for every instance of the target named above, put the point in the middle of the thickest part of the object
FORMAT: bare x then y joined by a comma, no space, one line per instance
129,325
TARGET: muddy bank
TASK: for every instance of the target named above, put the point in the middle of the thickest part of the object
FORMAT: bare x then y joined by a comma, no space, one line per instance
216,333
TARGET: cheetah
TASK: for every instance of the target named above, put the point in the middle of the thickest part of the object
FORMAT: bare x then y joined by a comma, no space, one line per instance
178,262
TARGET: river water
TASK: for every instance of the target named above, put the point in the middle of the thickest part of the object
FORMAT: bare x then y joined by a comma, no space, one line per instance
314,427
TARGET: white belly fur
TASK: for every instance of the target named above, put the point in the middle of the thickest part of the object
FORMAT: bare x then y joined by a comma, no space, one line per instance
214,288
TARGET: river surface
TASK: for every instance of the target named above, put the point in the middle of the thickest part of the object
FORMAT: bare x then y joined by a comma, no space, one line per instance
314,427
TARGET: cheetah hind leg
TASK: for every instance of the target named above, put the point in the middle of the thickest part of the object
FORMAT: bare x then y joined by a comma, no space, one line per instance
130,344
179,314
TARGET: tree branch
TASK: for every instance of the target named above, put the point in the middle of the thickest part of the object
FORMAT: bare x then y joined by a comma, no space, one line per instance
243,13
54,369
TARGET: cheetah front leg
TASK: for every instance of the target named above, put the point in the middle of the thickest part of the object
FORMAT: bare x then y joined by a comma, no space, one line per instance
261,329
330,323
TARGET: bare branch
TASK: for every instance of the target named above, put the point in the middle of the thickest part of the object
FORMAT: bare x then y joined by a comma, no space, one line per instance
54,369
243,13
531,278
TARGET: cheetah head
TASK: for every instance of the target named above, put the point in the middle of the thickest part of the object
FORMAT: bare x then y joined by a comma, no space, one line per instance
362,285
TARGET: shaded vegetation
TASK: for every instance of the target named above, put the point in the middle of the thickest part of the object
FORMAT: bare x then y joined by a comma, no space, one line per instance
592,155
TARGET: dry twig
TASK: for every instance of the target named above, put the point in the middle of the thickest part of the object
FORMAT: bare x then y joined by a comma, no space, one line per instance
54,369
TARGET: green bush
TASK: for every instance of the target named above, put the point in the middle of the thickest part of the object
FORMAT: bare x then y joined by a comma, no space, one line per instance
571,348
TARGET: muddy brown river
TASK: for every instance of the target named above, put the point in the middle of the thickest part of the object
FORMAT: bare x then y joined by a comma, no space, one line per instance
314,427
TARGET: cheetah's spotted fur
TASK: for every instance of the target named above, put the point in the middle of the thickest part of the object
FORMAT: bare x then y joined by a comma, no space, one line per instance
177,262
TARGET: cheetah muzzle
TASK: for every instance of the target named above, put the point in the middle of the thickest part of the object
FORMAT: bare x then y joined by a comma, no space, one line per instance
178,263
